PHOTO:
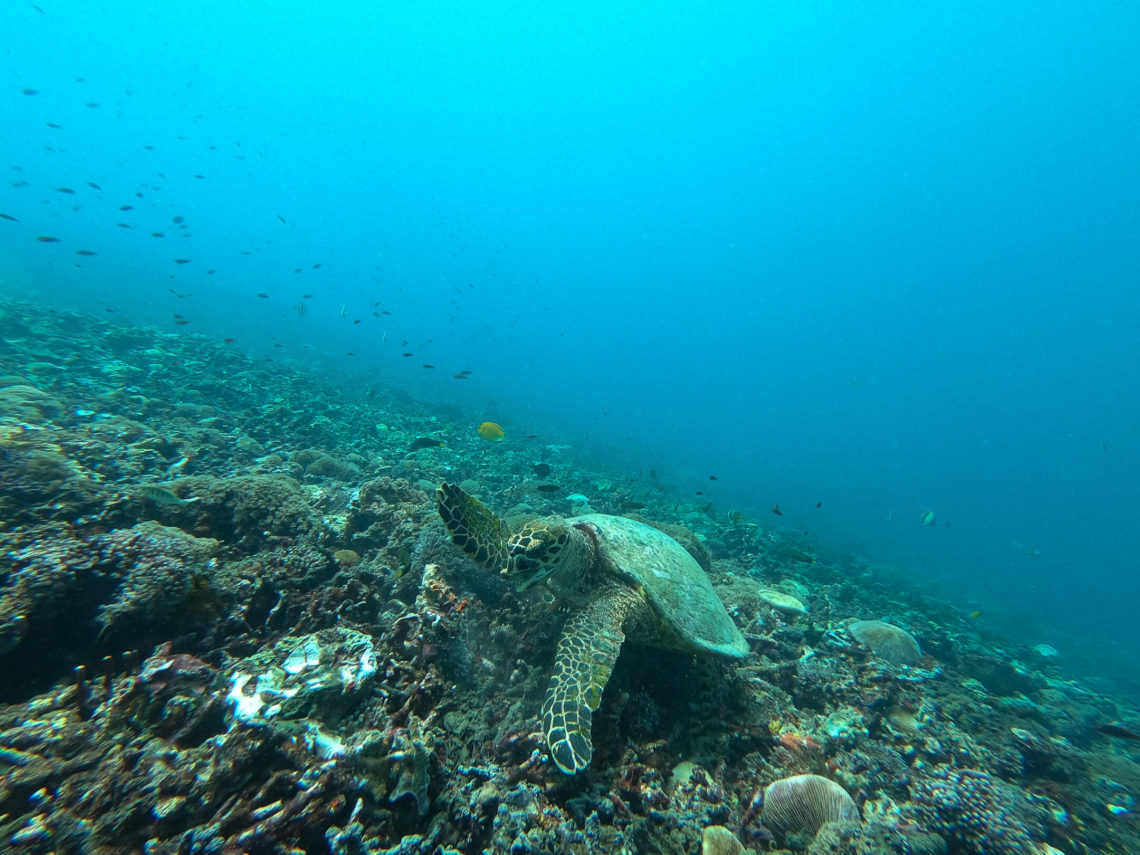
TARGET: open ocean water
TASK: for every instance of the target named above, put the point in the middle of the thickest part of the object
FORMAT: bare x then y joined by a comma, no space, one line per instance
866,276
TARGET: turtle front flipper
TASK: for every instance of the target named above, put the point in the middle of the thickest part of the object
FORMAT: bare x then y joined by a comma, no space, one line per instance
587,651
473,527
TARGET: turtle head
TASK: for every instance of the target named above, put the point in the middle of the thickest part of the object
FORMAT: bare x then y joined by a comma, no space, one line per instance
542,547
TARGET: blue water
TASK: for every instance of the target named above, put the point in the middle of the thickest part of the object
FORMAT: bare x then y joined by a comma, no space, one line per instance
883,257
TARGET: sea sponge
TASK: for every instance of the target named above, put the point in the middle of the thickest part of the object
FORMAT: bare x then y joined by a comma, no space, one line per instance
805,802
888,642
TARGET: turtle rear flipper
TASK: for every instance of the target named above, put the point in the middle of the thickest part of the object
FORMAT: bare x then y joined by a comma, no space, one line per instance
472,526
587,651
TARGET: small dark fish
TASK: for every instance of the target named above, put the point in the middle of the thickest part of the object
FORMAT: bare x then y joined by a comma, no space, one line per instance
93,185
356,322
407,354
297,269
31,91
712,477
9,218
196,175
1118,730
84,252
819,503
541,469
281,218
92,104
177,219
262,295
157,234
54,125
126,207
426,442
548,488
306,296
123,225
776,510
317,266
47,239
181,323
633,506
699,493
66,190
182,260
456,376
385,312
427,365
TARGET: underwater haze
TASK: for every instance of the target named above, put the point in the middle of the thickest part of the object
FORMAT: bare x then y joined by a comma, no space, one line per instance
875,266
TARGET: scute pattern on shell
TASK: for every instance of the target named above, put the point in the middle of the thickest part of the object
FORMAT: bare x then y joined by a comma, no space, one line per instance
677,588
805,802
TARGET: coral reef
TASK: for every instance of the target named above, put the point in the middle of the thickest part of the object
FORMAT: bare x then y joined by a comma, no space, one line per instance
971,808
805,802
890,643
231,621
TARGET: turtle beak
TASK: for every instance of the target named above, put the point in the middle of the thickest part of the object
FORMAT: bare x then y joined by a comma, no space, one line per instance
522,567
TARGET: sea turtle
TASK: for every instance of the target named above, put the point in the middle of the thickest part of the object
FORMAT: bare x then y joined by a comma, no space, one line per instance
623,577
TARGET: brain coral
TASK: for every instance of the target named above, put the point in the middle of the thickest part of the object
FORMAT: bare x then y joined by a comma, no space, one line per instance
886,641
805,802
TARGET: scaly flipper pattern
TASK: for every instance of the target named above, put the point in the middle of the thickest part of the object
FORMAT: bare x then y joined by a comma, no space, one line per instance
473,527
587,651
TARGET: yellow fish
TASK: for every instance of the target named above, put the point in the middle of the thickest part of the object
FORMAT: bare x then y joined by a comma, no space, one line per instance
927,518
491,432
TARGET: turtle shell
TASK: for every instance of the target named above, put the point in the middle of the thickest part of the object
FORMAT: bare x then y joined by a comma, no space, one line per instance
683,599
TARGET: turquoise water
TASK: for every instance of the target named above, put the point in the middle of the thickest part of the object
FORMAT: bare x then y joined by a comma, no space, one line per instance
859,262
